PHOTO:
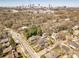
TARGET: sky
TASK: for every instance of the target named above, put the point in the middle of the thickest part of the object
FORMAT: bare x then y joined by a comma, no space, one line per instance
71,3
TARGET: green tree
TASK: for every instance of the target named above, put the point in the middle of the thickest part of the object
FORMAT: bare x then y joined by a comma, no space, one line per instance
8,24
12,42
39,31
1,50
34,30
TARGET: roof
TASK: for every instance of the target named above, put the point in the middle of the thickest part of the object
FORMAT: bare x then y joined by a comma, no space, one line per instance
52,55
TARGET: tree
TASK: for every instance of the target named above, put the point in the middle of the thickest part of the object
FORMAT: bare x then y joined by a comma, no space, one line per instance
8,24
39,31
1,50
34,30
12,42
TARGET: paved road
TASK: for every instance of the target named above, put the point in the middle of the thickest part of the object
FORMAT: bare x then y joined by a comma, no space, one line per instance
23,43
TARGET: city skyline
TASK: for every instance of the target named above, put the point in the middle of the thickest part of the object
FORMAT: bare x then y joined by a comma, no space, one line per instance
70,3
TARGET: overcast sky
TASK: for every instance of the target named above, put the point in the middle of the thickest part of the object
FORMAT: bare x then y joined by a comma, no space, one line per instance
72,3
